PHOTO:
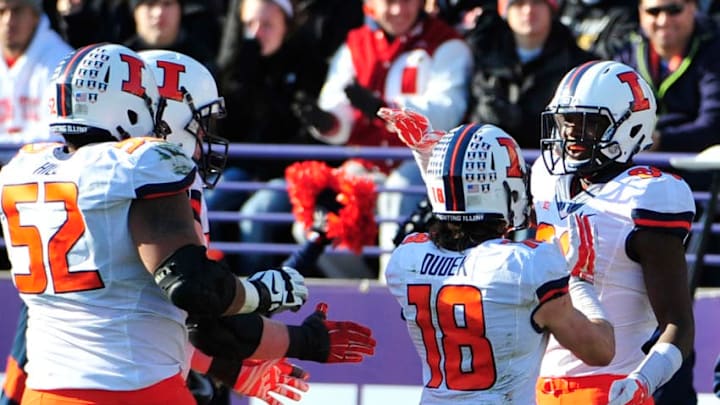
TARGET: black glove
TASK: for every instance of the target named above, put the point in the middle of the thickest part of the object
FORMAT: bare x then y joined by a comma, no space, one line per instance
324,341
325,203
310,115
364,100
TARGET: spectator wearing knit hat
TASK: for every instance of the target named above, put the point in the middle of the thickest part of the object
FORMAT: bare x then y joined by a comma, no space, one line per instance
35,5
504,5
521,52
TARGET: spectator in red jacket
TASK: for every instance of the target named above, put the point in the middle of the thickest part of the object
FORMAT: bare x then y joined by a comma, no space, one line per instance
403,57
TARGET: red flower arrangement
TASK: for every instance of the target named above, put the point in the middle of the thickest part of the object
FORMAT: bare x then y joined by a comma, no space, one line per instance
353,226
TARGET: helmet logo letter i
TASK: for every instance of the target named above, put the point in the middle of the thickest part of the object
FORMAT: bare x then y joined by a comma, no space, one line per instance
134,82
640,102
171,78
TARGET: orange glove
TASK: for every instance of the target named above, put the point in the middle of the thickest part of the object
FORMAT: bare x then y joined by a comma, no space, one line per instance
412,128
349,341
258,378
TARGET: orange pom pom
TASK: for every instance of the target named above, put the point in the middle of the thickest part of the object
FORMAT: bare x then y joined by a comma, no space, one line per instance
353,226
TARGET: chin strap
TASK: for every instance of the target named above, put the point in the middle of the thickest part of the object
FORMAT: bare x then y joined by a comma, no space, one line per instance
161,128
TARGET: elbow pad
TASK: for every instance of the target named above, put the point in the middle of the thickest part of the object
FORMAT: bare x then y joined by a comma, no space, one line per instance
227,339
195,283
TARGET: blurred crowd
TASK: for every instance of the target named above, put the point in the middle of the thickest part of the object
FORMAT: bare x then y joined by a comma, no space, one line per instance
317,71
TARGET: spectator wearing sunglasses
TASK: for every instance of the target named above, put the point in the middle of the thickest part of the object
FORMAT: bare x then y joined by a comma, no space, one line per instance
676,52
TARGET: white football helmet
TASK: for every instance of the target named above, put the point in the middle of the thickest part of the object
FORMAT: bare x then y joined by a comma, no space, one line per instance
193,107
477,173
614,97
104,89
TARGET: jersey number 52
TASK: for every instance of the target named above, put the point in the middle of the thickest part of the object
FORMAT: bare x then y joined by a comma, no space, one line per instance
23,234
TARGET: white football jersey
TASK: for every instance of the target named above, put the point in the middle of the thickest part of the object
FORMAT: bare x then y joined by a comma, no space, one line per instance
641,197
470,315
97,320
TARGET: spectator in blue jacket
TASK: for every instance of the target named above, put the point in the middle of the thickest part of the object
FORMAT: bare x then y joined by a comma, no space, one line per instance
676,52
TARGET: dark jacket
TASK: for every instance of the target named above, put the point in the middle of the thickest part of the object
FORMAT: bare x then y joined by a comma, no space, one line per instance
321,25
688,103
259,92
112,21
326,23
97,21
601,28
184,44
510,94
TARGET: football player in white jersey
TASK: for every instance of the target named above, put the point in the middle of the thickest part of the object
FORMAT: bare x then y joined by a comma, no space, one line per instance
193,105
96,225
192,110
602,114
479,307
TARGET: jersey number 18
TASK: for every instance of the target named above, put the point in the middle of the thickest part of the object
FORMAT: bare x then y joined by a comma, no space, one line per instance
466,358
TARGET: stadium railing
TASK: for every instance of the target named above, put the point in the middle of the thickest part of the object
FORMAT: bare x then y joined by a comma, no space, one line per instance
261,152
338,153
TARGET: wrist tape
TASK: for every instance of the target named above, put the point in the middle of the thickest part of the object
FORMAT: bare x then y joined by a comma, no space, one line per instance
585,299
252,298
658,367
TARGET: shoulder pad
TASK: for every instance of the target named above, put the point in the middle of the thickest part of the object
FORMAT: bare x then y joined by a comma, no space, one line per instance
660,191
416,237
155,166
